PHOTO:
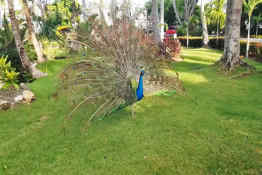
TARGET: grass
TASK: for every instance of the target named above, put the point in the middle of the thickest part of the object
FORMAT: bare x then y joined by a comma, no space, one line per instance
215,129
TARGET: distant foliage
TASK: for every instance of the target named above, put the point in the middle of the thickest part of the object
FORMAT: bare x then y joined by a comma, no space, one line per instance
49,25
30,51
60,13
8,75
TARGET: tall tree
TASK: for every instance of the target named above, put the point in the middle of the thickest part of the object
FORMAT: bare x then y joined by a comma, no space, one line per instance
126,9
29,66
113,10
176,12
204,24
162,18
155,21
231,57
41,4
84,9
101,10
216,14
250,6
189,7
257,19
32,35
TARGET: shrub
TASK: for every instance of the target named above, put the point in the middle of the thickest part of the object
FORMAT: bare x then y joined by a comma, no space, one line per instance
174,46
30,51
194,42
8,75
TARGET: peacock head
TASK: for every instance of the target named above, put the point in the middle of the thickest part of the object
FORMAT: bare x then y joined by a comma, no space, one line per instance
142,73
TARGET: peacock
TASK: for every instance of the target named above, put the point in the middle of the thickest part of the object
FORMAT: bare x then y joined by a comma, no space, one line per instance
140,88
124,67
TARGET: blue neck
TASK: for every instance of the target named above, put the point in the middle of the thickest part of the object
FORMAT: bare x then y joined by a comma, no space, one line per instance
140,83
139,90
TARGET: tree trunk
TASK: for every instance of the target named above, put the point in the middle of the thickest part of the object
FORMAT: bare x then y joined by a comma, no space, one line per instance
101,11
113,10
126,6
231,57
20,46
155,21
189,7
217,33
256,31
187,36
204,24
42,8
1,20
84,9
37,46
176,12
248,36
162,18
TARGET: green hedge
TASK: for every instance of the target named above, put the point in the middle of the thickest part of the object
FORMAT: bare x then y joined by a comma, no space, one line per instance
196,42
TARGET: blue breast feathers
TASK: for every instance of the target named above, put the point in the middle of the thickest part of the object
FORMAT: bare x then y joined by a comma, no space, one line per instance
139,90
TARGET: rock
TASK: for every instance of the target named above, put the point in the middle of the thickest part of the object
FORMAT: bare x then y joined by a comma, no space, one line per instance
28,96
4,105
18,98
23,86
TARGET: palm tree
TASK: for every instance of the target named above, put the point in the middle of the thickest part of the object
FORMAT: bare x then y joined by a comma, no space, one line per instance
250,6
257,19
84,9
189,7
204,24
231,57
32,35
176,12
155,21
162,18
29,66
113,10
101,10
216,13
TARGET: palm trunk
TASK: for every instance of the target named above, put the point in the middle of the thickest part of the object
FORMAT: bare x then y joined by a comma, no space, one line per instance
176,12
248,36
1,20
204,25
217,34
84,9
231,57
101,11
187,36
162,18
113,10
20,46
256,31
36,44
42,8
155,21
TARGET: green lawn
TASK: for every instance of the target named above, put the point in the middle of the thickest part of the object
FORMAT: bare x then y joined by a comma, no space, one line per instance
216,129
